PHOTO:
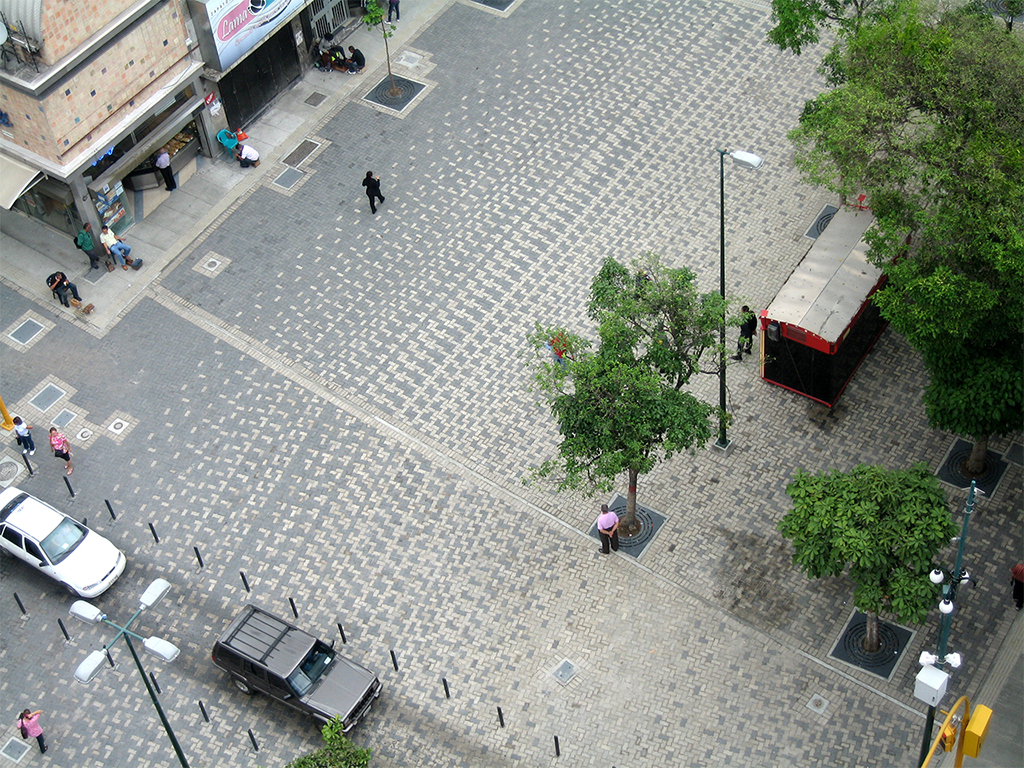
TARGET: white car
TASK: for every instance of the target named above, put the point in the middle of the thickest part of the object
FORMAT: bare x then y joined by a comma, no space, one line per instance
84,563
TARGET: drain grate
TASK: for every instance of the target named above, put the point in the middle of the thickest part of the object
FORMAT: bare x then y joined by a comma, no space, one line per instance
818,704
289,178
47,396
25,332
300,153
315,99
498,5
821,222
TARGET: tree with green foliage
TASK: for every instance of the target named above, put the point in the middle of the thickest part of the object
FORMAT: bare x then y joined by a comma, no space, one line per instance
929,124
1006,10
621,408
886,527
338,751
799,23
373,18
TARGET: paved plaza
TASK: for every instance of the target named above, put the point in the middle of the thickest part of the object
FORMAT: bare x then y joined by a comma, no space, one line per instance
335,404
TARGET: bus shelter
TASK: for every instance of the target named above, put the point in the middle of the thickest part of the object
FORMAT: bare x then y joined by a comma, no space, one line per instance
822,322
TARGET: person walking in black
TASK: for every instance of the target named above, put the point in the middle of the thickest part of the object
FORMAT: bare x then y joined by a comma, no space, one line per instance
747,329
372,184
393,8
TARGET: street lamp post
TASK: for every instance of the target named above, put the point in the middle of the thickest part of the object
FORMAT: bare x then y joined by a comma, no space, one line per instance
752,161
956,577
159,647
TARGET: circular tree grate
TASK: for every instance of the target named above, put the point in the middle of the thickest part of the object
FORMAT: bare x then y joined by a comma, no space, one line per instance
394,94
888,646
647,527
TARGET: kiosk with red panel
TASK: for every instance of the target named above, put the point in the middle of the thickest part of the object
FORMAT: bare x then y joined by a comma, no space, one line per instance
822,322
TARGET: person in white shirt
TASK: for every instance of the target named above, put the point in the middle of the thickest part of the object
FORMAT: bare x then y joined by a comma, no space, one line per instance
246,155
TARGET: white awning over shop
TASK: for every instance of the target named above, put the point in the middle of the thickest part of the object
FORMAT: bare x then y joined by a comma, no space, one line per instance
15,178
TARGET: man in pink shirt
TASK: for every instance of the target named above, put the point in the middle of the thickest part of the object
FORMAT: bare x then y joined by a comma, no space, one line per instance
608,529
28,724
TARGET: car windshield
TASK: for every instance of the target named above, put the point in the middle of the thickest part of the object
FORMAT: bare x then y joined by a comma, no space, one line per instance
63,540
311,669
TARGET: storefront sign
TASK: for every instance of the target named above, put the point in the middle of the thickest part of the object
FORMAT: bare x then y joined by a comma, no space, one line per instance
227,29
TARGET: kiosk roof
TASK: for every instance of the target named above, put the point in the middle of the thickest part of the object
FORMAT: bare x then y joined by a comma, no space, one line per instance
828,287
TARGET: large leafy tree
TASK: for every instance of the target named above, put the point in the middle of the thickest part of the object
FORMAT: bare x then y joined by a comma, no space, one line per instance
886,527
929,124
799,23
621,407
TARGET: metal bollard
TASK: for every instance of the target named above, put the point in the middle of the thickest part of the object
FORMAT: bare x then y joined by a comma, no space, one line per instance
202,709
110,509
394,661
153,531
447,693
68,484
252,738
501,718
295,610
245,582
198,557
341,629
67,637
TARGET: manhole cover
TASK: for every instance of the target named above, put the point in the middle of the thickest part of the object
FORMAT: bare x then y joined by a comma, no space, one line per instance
62,419
315,99
892,640
47,396
954,472
300,153
565,672
9,470
394,95
15,749
821,222
289,178
25,332
650,523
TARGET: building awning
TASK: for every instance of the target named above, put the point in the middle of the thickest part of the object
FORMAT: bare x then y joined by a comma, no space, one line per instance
15,178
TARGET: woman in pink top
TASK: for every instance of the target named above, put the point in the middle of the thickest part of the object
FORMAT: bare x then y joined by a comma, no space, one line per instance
61,448
28,724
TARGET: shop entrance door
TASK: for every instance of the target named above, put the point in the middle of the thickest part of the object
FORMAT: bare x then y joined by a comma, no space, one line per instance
254,83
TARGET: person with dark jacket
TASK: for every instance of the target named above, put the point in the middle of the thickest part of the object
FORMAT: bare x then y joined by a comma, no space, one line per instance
372,185
356,60
58,283
747,328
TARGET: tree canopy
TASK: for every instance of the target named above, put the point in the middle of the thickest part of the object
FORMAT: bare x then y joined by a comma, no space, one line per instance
885,526
621,407
929,124
799,23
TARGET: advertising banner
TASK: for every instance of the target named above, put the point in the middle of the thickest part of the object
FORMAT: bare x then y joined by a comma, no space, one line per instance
228,29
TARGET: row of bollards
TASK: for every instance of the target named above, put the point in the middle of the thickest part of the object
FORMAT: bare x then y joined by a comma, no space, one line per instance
248,589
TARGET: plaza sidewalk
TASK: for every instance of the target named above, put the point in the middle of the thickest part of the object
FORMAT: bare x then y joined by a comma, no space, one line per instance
339,414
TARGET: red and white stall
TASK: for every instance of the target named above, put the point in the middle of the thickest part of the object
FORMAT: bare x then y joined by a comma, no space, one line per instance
822,322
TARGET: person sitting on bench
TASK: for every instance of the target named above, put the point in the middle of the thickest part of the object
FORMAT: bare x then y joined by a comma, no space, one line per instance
58,283
246,156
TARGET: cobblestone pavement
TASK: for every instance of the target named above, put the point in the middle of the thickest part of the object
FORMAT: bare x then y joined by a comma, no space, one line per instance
332,403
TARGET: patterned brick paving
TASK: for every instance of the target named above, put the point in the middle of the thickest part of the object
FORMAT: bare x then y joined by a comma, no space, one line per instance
341,414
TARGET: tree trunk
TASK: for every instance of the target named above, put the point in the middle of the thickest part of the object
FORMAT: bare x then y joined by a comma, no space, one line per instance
870,642
394,91
976,462
628,522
